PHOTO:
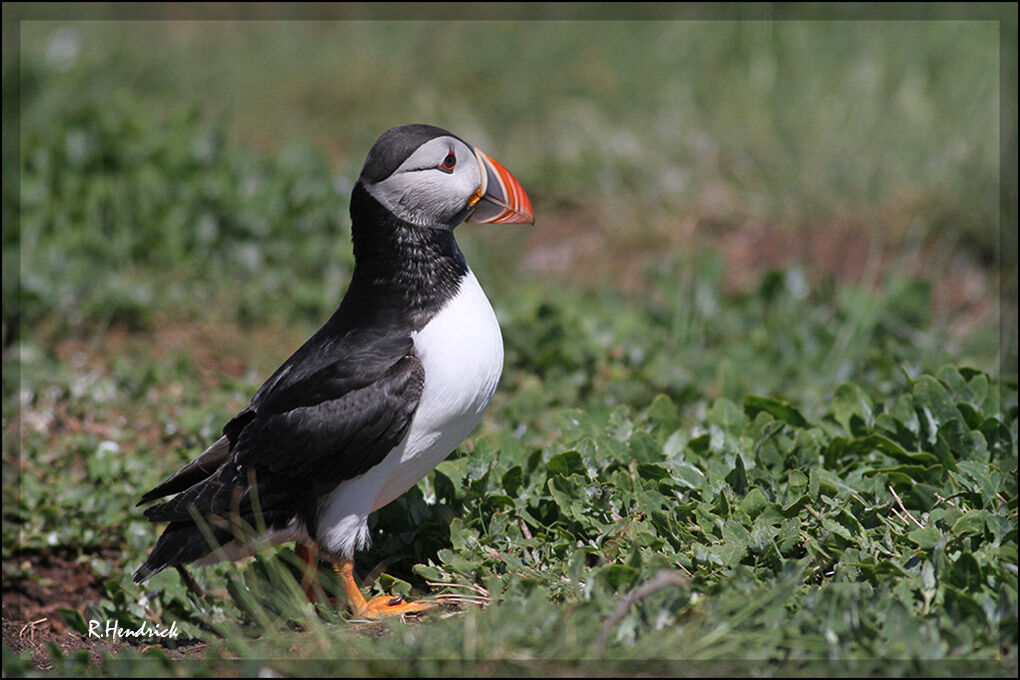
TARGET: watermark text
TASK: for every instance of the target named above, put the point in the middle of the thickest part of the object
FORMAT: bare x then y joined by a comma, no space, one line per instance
114,630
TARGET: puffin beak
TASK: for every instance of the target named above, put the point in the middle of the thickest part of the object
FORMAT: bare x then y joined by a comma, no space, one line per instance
501,198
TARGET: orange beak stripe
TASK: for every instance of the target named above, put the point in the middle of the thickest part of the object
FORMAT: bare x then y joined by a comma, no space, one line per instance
500,199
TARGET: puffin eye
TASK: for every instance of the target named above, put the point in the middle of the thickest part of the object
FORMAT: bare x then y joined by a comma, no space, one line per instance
448,163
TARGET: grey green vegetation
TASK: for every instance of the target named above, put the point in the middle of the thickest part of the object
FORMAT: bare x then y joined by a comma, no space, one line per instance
825,465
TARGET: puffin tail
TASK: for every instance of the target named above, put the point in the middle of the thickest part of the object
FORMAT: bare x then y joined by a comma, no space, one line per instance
181,543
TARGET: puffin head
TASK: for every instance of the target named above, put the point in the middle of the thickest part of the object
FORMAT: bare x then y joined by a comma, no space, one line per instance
432,178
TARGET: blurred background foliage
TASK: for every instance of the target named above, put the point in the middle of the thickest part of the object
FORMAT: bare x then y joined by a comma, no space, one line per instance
637,140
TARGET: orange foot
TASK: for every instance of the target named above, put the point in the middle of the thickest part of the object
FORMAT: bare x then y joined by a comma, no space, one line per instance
377,607
387,605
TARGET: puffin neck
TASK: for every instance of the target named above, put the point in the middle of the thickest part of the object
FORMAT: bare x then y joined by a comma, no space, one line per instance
412,268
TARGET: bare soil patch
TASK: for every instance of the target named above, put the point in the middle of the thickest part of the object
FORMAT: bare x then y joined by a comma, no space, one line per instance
47,582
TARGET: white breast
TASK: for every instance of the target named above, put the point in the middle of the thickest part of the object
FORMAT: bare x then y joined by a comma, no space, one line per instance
461,350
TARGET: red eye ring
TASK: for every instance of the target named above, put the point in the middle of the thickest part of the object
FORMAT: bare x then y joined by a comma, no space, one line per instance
449,163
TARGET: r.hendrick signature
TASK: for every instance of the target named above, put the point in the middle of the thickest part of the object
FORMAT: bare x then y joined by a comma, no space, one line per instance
146,630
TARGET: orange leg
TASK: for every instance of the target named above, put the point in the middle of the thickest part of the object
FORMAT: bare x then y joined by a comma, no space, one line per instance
376,607
309,580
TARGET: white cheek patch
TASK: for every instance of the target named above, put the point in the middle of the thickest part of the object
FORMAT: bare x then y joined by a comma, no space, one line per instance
419,192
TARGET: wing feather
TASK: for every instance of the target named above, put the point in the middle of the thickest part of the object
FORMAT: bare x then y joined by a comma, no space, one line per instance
192,473
307,447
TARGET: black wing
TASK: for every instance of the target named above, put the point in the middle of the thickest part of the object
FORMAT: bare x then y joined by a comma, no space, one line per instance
193,472
328,366
312,425
309,448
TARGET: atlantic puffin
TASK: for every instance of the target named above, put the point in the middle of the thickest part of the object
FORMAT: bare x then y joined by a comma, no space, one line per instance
393,382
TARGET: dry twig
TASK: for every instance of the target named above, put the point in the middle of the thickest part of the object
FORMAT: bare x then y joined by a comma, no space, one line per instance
900,502
658,582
